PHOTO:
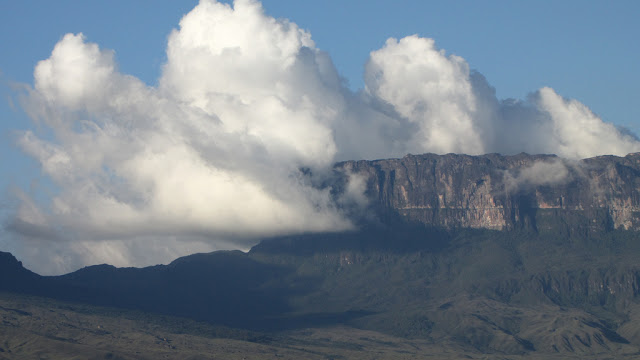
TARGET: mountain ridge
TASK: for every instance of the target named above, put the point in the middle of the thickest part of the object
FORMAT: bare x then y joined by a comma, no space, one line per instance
559,276
504,192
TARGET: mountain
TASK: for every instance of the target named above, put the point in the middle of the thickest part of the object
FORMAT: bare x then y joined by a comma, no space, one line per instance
540,192
513,256
14,277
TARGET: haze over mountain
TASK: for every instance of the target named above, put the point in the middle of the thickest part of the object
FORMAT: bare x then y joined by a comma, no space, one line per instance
242,131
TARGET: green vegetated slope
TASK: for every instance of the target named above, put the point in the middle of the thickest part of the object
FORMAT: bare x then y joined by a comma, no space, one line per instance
495,292
477,293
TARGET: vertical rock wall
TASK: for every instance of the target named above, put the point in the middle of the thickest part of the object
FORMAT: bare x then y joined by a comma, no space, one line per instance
505,192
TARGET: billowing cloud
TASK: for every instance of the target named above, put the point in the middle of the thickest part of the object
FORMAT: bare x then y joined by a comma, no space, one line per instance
248,116
214,155
454,109
576,132
429,89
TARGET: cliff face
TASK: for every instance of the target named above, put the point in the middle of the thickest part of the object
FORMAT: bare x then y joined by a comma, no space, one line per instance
496,292
540,192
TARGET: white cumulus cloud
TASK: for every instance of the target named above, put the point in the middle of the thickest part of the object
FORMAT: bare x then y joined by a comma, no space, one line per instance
429,89
247,118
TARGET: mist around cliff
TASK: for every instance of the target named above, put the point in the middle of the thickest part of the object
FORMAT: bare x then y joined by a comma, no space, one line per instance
247,119
542,172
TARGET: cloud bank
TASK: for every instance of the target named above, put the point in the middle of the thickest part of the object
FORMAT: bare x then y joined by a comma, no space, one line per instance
221,152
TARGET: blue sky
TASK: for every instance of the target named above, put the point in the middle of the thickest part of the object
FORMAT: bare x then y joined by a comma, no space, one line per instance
586,50
582,50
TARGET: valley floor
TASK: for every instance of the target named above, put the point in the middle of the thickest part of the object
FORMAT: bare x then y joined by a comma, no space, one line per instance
40,328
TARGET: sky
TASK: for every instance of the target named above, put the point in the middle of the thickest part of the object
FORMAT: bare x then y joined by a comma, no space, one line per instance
133,134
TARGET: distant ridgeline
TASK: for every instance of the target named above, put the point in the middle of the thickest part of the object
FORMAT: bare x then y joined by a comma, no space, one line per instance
534,192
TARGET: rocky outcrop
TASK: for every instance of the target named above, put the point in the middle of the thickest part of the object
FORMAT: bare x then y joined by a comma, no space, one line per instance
540,192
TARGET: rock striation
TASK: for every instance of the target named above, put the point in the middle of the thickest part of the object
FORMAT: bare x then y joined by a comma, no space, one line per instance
539,192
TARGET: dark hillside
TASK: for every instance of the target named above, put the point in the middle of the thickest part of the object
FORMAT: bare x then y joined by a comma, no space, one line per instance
528,256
